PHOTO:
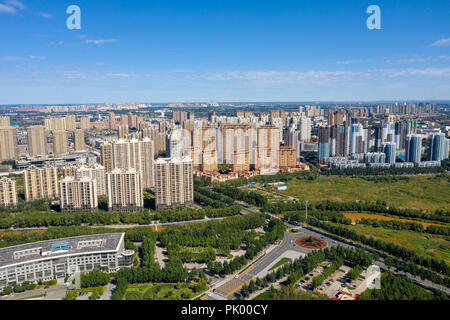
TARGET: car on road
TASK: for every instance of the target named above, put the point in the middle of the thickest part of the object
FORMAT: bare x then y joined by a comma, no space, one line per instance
236,276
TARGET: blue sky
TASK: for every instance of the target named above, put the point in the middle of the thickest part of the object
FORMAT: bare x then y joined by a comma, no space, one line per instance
223,50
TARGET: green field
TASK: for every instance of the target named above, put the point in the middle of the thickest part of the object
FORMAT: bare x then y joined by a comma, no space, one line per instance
434,246
160,291
427,193
280,263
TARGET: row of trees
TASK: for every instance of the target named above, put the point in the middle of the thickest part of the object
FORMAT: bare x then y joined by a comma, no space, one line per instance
380,171
45,219
395,250
378,207
276,231
335,265
411,226
94,278
400,288
229,232
251,198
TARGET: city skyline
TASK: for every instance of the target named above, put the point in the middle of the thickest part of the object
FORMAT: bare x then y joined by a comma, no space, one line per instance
233,51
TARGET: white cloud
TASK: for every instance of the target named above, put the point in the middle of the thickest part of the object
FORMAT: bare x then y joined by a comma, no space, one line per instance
45,15
412,60
19,5
441,43
13,58
7,9
100,41
442,72
348,61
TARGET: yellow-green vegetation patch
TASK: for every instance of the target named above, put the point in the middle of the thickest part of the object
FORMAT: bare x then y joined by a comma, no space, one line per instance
426,193
427,245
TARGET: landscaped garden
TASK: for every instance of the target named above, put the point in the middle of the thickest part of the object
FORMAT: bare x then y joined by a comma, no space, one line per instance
165,291
311,243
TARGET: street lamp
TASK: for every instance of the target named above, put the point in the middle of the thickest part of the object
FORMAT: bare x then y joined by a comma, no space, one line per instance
306,212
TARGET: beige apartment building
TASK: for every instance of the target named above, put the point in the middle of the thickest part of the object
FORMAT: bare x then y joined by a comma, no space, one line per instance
71,123
37,141
55,124
136,154
106,157
174,184
79,143
236,146
60,142
40,183
287,157
112,121
268,146
94,171
8,193
125,190
5,122
8,143
78,194
85,123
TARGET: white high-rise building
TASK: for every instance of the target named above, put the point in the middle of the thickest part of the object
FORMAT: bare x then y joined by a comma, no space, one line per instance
94,171
125,190
174,184
78,194
135,154
305,129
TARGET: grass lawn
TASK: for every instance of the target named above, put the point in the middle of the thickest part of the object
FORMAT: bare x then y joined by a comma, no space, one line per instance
280,263
428,192
157,291
434,246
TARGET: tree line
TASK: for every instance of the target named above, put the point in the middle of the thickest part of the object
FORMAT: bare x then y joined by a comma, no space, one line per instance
395,250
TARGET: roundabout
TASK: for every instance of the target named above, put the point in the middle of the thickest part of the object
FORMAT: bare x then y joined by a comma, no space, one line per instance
311,242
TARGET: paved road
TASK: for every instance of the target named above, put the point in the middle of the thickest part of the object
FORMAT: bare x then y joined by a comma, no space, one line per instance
287,245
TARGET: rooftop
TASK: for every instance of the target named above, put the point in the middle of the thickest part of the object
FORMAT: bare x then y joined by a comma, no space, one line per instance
59,247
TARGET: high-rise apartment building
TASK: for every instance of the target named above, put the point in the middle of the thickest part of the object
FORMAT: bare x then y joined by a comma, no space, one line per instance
78,194
5,122
268,148
390,149
8,193
55,124
288,157
85,123
106,156
112,121
79,140
94,171
304,125
125,190
235,147
134,153
37,141
123,131
173,182
438,149
413,148
60,143
71,123
40,183
8,143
